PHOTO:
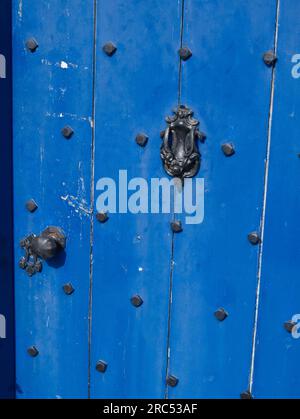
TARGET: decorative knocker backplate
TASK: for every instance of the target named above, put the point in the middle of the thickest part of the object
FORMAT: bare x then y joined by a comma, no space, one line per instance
45,246
179,150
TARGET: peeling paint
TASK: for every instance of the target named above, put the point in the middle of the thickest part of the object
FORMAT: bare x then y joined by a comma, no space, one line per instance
63,91
80,206
20,9
45,62
64,65
68,115
137,239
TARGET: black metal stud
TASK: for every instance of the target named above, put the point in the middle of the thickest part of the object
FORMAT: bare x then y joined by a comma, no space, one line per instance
31,205
102,217
101,366
68,289
185,53
142,139
32,351
289,326
172,381
269,58
221,314
32,45
67,132
228,149
136,301
246,395
254,238
176,226
109,48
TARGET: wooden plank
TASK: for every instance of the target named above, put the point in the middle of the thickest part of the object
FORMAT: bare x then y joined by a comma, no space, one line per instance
227,84
135,89
52,89
276,372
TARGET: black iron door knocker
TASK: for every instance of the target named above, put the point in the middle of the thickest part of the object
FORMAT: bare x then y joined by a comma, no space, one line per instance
179,151
46,246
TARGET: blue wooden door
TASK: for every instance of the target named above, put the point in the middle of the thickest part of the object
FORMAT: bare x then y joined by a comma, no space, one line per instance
135,89
132,308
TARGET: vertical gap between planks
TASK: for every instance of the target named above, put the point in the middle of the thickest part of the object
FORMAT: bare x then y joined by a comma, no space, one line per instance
92,196
263,216
181,45
173,216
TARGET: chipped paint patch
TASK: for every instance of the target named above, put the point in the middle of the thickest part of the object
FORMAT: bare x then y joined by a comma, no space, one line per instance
137,239
64,65
72,65
46,62
72,116
20,9
63,91
80,206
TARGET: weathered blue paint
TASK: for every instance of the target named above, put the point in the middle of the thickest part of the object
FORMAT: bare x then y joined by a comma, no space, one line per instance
53,88
228,86
135,90
183,279
7,378
276,372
